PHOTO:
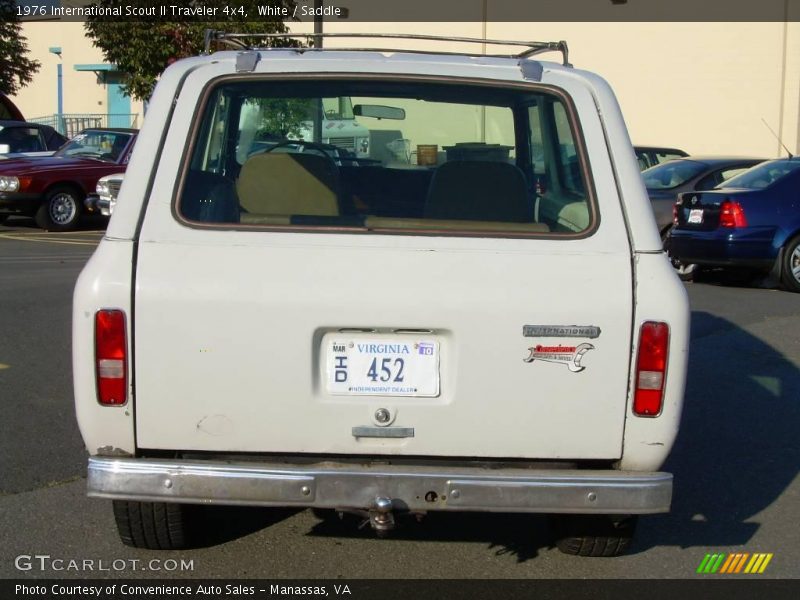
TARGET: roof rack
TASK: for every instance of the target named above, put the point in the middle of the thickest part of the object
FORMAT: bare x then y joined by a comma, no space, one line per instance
237,41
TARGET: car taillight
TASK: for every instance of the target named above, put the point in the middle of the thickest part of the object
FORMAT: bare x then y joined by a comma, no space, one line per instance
651,369
731,214
110,349
675,208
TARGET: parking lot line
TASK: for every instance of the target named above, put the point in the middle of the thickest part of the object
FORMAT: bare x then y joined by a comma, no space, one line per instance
48,233
46,238
35,260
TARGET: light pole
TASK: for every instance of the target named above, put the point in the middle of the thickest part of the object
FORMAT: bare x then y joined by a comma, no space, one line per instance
317,128
318,23
59,87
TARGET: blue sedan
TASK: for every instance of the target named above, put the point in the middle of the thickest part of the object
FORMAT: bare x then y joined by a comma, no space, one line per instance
752,220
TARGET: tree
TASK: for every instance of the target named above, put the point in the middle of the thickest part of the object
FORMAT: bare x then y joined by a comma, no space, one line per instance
16,69
143,49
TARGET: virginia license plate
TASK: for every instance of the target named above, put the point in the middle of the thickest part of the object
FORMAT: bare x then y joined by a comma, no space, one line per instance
388,365
695,216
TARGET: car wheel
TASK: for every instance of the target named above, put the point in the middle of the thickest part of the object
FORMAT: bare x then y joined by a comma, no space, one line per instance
589,535
152,525
790,271
61,209
685,271
3,219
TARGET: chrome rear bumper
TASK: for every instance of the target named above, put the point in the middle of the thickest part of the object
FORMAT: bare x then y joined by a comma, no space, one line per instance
416,488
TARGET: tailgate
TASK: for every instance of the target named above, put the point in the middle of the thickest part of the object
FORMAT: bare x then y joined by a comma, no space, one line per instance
239,348
480,306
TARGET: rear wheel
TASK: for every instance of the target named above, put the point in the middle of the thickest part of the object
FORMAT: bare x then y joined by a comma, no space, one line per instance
152,525
589,535
685,271
3,219
61,209
790,271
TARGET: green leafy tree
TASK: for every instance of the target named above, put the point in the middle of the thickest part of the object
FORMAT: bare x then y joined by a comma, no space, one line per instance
143,49
16,69
284,117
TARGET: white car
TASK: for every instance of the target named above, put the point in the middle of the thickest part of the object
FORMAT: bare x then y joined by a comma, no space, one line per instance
489,324
105,197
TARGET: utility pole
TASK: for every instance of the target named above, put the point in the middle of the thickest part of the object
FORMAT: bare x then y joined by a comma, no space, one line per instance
59,89
318,44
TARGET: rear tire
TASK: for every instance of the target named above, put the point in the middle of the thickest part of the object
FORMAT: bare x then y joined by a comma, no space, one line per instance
61,209
3,219
790,269
686,272
152,525
589,535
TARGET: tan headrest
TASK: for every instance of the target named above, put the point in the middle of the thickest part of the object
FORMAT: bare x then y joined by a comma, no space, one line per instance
289,184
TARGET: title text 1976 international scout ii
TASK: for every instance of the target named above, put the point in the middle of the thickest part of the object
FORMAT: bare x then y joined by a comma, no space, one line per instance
476,315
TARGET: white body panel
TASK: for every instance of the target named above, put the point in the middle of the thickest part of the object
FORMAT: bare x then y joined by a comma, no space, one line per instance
105,282
235,341
228,324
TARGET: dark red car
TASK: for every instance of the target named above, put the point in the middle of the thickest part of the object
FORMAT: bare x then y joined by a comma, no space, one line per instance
51,189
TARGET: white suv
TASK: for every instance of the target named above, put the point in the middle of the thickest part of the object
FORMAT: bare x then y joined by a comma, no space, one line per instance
483,322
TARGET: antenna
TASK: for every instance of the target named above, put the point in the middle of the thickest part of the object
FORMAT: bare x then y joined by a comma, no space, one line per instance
777,138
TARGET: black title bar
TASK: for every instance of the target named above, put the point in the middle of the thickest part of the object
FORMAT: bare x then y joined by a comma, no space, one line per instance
530,11
711,588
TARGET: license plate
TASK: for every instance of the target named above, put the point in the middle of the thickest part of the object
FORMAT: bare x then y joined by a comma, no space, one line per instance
695,216
382,366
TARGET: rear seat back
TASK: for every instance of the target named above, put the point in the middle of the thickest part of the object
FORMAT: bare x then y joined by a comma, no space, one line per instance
281,184
479,191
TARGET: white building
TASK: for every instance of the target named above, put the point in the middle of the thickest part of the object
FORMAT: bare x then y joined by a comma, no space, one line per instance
708,88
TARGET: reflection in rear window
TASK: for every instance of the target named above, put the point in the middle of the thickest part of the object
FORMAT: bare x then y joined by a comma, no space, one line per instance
762,175
387,157
671,174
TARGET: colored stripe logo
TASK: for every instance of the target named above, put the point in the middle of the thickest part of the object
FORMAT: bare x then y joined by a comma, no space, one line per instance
739,562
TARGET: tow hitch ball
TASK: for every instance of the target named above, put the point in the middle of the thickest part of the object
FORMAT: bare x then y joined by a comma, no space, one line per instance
381,517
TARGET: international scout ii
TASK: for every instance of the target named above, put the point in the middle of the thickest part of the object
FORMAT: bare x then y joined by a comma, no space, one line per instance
480,319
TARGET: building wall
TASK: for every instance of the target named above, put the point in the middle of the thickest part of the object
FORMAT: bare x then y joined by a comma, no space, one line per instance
83,93
703,87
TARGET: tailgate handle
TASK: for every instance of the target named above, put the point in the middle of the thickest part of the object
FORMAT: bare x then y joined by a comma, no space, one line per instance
383,432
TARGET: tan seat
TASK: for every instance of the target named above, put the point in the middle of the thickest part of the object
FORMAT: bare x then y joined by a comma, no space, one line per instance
564,214
281,184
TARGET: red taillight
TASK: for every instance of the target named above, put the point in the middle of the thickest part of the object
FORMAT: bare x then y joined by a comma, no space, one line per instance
651,369
110,349
731,214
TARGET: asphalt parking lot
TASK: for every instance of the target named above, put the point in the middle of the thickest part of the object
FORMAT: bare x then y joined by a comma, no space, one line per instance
735,463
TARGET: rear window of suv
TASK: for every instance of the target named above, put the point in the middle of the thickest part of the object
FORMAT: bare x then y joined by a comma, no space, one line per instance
387,157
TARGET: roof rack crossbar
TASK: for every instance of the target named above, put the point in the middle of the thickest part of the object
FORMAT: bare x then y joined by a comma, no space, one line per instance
236,40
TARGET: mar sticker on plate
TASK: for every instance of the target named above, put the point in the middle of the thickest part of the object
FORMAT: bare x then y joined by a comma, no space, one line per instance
381,365
695,216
